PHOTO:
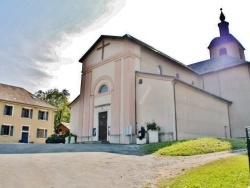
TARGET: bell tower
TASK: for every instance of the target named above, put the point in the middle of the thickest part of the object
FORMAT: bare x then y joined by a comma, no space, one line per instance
226,43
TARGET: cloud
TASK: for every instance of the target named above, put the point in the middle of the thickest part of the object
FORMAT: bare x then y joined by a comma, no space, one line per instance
32,32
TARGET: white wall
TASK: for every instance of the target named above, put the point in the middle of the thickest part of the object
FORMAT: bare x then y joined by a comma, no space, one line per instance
200,114
233,84
154,102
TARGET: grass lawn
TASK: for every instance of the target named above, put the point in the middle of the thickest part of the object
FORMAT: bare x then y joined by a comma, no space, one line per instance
194,147
224,173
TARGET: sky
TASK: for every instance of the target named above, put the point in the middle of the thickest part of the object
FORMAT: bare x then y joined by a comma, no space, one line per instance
42,41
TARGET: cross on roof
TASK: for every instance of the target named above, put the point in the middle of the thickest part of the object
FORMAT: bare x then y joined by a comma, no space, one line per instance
102,47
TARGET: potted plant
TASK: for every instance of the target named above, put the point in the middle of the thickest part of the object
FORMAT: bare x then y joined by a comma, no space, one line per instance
153,132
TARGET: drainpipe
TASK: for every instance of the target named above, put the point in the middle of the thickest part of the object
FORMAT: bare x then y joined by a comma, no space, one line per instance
229,122
135,108
175,112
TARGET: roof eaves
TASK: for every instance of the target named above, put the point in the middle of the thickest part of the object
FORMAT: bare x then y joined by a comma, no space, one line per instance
74,101
178,80
202,73
28,104
218,97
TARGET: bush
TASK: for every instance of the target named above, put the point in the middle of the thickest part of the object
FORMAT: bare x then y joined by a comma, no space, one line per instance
152,126
55,138
195,147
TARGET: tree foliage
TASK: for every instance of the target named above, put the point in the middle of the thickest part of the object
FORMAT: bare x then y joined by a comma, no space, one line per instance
59,99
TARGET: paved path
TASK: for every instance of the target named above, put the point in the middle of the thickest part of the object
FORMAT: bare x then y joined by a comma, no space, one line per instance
89,165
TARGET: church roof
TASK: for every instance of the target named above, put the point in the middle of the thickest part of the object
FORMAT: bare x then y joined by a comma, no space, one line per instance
216,64
20,95
126,36
75,100
67,125
224,39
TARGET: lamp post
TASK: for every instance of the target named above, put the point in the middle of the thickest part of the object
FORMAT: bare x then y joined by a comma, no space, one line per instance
248,145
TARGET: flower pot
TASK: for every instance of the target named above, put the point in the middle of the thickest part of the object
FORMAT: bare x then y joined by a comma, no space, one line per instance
153,136
142,141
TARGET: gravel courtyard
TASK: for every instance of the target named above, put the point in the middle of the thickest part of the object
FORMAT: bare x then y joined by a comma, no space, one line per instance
110,166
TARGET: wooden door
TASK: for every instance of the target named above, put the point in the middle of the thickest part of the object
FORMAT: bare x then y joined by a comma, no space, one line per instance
25,137
103,122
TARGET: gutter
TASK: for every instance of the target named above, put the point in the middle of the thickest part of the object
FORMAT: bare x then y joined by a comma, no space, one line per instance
229,123
135,106
175,112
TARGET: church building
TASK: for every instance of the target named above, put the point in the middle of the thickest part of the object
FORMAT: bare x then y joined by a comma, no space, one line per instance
126,83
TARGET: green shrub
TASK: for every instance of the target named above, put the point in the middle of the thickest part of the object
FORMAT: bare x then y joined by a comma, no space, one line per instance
238,143
195,147
55,138
152,126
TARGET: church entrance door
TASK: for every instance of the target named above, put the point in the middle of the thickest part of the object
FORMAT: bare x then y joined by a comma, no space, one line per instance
103,121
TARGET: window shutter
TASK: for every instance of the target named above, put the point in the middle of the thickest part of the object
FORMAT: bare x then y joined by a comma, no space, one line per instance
22,113
45,136
11,130
37,133
47,116
31,113
39,114
2,129
5,110
11,110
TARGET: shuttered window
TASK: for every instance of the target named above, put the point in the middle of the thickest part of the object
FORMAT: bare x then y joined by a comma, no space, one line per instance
27,113
8,110
43,115
41,133
7,130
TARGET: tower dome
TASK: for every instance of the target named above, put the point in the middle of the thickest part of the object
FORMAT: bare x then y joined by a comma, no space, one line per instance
226,43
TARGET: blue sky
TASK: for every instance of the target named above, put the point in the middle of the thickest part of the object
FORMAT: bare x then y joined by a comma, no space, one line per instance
42,41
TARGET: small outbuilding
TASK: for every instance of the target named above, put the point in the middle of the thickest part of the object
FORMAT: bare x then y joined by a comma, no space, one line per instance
63,128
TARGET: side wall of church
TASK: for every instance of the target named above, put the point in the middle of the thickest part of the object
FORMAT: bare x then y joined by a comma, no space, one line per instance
150,62
74,118
200,114
233,84
155,102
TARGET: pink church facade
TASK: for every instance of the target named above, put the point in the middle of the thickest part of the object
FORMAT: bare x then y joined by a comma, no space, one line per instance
126,83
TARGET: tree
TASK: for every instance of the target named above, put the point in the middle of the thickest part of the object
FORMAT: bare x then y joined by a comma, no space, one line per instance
58,99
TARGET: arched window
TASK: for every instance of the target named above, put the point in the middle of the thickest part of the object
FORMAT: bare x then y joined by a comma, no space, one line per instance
140,81
159,70
103,89
223,51
177,75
